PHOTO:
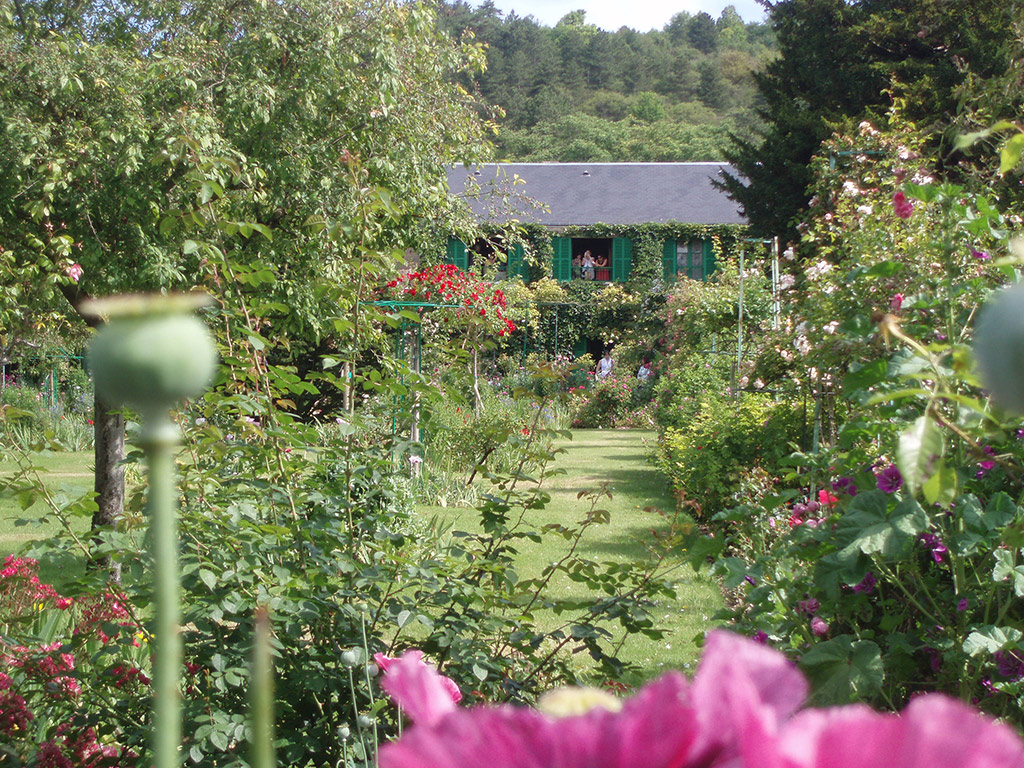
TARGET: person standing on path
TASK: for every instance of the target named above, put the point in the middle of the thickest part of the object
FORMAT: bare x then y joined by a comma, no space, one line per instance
605,365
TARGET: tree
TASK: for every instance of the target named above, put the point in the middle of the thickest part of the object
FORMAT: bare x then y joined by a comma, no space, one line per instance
702,33
162,146
849,60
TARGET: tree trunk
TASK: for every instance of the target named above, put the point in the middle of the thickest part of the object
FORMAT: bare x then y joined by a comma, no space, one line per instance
109,480
108,451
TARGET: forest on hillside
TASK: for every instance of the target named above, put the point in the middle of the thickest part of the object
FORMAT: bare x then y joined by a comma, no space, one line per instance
574,92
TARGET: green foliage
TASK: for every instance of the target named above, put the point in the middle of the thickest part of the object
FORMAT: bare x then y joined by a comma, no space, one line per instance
578,93
845,61
706,457
884,557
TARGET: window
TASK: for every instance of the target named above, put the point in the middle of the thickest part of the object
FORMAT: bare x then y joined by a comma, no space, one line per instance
610,259
690,259
694,259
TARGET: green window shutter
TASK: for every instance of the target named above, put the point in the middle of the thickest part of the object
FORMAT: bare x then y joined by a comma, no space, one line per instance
668,260
709,258
579,349
622,258
457,254
516,266
561,265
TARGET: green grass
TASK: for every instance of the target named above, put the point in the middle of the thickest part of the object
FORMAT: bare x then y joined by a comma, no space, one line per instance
618,457
66,476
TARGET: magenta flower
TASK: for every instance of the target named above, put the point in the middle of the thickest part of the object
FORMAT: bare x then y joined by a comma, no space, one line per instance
934,543
980,255
819,626
987,464
738,711
903,207
74,272
866,585
889,480
896,302
426,694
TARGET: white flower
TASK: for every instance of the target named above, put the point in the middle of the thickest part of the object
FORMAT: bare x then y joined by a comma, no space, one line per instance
758,384
819,269
867,129
850,187
787,281
920,177
865,210
414,460
803,346
830,328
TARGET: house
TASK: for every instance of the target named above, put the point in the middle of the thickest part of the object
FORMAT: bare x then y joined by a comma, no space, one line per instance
611,200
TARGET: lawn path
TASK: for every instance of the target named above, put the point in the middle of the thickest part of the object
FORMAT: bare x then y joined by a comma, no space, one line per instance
618,458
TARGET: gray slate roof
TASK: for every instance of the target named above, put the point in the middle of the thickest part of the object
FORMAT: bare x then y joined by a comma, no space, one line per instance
596,193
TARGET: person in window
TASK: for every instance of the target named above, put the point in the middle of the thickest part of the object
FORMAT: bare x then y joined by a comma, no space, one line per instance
605,365
601,266
588,266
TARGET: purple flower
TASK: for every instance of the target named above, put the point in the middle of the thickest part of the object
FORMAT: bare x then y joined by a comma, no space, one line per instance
809,606
934,543
760,637
889,480
987,464
962,605
845,484
980,255
1010,664
750,580
819,626
866,585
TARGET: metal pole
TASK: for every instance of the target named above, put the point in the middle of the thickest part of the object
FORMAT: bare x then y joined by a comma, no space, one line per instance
776,287
739,325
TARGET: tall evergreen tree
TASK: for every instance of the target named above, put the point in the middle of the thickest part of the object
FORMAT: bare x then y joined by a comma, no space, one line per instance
847,60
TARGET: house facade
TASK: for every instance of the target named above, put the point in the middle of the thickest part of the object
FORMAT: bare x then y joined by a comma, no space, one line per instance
591,213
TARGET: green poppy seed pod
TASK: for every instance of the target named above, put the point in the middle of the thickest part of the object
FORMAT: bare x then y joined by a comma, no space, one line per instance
151,353
999,347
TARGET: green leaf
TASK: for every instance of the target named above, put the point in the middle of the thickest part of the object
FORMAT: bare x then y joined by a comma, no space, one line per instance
866,376
989,639
208,578
842,670
1010,154
876,532
404,618
189,246
479,672
941,488
1005,569
920,446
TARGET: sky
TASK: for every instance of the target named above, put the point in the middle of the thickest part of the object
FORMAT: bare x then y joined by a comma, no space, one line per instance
641,15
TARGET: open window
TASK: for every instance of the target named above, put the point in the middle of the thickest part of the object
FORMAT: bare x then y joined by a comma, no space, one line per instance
596,259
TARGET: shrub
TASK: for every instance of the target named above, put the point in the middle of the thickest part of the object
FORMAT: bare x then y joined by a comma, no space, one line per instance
705,458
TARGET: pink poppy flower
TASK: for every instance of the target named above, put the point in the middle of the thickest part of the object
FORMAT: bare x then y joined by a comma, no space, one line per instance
668,723
426,694
739,711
